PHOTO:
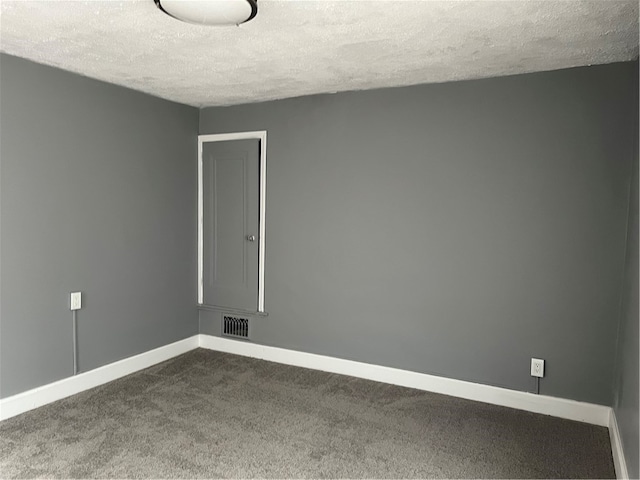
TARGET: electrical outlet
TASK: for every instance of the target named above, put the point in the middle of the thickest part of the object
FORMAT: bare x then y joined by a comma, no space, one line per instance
75,302
537,367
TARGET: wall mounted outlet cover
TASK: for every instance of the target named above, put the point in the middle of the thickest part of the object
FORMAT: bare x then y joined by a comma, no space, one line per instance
537,367
75,302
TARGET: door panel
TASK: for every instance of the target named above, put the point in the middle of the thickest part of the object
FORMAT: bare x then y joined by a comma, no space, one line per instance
230,172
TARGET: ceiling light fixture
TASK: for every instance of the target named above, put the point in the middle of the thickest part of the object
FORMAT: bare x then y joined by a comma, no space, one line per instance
210,12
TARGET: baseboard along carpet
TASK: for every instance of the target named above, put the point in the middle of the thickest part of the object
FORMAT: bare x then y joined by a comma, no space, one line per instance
207,414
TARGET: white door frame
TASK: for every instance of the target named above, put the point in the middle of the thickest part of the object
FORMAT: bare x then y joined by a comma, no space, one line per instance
221,137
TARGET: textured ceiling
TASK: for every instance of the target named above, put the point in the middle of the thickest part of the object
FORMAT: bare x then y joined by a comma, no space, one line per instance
304,47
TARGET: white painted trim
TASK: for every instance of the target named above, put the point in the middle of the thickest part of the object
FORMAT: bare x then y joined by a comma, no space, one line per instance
25,401
557,407
619,462
200,221
222,137
261,223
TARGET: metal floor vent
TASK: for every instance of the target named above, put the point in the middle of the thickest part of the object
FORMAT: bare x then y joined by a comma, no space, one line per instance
235,327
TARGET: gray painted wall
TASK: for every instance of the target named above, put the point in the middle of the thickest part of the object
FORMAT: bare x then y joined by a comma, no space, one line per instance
98,194
627,386
456,229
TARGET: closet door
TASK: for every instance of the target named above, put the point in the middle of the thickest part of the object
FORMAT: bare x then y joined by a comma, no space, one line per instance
230,228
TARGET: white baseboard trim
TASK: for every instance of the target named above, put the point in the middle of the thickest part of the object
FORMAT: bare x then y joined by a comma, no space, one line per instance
557,407
619,461
25,401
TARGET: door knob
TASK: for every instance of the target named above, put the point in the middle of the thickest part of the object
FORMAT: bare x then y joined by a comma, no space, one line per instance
251,238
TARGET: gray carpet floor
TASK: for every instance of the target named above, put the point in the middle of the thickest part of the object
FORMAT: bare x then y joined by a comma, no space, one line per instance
213,415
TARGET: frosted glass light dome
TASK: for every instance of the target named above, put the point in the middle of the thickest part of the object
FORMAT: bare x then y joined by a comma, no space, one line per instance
210,12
